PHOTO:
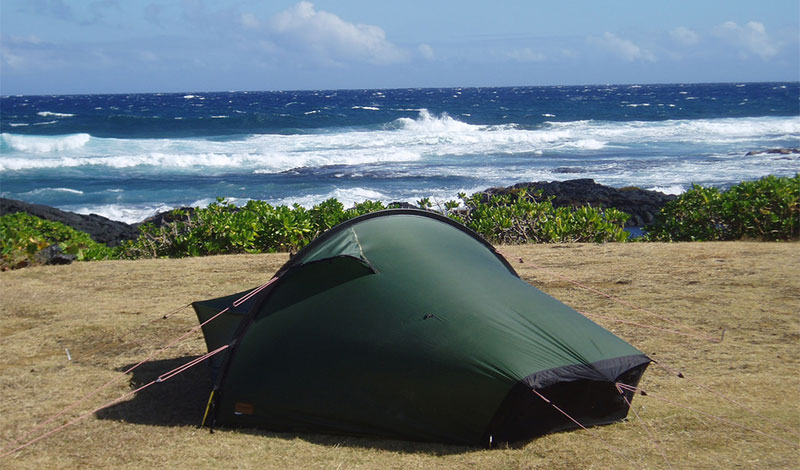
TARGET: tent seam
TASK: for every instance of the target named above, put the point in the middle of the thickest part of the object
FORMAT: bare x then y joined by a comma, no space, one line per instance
358,242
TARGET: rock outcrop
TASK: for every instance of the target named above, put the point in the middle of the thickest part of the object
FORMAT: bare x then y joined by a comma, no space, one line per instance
779,151
101,229
642,205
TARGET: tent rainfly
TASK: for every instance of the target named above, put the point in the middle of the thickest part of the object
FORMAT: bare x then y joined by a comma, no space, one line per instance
405,324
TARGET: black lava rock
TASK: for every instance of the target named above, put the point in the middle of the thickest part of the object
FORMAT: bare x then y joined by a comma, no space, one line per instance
101,229
642,205
53,254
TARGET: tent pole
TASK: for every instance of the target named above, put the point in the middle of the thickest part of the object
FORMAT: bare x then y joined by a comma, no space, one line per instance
208,407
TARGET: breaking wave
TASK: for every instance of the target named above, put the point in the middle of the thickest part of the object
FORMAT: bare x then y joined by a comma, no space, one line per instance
44,144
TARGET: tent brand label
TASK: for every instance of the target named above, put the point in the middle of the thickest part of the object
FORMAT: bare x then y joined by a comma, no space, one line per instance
240,408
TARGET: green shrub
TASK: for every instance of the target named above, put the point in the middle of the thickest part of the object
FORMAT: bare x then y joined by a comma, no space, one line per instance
259,227
22,236
766,209
256,227
519,217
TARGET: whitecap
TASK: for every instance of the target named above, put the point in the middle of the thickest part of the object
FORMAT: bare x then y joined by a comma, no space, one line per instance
671,189
428,123
347,196
50,113
129,214
45,144
587,144
40,191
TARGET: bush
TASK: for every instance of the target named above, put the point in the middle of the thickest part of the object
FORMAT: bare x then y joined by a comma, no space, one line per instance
766,209
259,227
520,218
256,227
22,236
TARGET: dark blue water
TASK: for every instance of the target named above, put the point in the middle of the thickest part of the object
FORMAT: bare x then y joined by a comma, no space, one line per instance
126,156
291,112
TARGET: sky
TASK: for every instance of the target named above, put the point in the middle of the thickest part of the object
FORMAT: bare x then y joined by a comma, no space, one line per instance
131,46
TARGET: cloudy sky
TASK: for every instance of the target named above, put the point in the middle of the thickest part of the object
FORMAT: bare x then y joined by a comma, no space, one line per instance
119,46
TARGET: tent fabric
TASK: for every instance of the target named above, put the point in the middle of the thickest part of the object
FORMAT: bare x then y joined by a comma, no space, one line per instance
405,324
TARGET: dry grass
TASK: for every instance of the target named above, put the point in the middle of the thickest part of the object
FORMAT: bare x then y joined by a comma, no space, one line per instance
108,315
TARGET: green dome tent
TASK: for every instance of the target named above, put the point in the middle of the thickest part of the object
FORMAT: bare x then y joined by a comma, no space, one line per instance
405,324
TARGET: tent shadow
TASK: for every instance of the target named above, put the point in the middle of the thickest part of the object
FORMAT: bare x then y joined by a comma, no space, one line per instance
181,401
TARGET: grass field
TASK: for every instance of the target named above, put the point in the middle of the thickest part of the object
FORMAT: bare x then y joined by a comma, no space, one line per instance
108,315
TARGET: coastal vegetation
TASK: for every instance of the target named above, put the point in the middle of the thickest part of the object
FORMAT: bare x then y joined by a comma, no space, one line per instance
23,237
766,209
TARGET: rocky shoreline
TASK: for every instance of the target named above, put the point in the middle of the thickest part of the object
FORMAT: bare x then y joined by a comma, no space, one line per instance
642,205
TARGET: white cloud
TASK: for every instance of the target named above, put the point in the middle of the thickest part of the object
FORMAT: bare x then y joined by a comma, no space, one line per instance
20,52
684,36
249,21
623,48
751,38
525,55
11,60
332,39
426,51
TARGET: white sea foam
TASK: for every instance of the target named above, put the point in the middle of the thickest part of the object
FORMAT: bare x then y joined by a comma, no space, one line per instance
208,200
428,123
671,189
124,213
50,113
416,146
347,196
587,144
40,191
44,144
700,130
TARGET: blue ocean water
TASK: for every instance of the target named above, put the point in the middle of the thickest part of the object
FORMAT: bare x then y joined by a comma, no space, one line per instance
128,156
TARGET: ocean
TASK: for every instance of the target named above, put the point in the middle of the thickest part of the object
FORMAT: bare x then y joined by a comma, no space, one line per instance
127,157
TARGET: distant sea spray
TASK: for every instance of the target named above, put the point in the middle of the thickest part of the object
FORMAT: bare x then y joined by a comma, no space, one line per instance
126,156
